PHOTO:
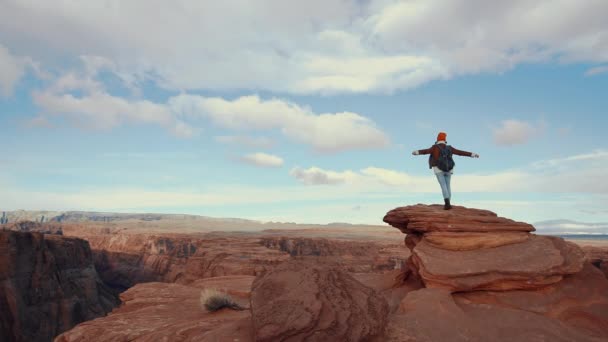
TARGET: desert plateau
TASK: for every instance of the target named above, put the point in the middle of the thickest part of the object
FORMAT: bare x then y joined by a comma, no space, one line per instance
114,277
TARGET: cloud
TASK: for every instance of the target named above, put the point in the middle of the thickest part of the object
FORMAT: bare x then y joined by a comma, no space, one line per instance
317,176
100,110
325,132
255,142
566,187
308,47
564,175
595,156
597,70
263,160
570,227
38,121
79,96
470,36
388,177
12,69
516,132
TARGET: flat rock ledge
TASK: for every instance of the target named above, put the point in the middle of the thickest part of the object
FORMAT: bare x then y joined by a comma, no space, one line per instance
471,249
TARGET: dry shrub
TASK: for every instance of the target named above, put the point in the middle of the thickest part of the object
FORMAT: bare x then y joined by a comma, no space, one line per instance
213,300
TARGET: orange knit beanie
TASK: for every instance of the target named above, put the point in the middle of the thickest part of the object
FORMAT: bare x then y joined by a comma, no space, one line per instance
441,136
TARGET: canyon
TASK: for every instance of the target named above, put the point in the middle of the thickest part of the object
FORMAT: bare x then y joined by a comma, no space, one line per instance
140,278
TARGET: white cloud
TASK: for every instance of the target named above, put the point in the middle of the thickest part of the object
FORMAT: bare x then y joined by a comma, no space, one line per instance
568,187
317,176
470,36
80,97
563,175
12,69
325,132
590,158
263,160
99,110
316,46
255,142
597,70
516,132
388,177
570,227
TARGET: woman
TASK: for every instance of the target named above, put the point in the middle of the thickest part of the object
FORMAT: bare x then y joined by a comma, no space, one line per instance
440,160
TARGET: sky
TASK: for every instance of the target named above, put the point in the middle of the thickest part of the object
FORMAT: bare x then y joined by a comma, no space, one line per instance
303,111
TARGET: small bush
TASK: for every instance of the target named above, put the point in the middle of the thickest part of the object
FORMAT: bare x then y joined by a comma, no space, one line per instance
213,300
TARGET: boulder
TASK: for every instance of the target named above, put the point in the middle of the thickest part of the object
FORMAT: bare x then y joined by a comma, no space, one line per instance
300,301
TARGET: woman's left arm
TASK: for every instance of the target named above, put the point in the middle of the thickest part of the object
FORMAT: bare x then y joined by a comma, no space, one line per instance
463,153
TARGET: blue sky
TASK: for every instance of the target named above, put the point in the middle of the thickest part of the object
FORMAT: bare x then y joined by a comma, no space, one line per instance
303,112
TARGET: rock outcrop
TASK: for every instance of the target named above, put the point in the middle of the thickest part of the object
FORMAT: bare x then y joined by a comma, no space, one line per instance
171,312
488,278
492,253
428,218
598,256
48,284
300,301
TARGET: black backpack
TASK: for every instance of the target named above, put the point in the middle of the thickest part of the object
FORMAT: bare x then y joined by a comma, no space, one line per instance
445,162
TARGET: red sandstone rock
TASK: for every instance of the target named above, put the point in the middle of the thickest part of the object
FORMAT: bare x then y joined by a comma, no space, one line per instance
598,256
538,261
299,301
351,256
127,259
168,312
464,241
47,285
579,300
428,218
433,315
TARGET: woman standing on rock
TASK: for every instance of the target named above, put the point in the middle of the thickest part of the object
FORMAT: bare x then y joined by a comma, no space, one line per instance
440,160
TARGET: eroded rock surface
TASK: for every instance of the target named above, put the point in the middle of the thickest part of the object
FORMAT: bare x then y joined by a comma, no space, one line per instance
299,301
469,249
427,218
535,262
433,315
489,279
171,312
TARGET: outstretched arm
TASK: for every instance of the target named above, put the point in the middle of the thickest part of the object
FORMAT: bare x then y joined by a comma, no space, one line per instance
425,151
464,153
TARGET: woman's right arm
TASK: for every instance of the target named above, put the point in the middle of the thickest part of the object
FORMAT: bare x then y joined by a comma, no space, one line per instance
425,151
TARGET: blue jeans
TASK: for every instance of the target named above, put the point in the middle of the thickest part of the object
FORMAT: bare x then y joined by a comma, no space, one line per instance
444,181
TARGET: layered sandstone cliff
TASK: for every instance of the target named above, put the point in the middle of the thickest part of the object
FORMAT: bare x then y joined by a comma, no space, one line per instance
48,284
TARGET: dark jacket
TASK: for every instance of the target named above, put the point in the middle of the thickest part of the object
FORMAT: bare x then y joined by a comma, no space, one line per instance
434,152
